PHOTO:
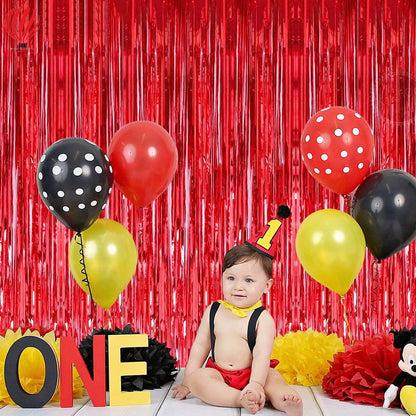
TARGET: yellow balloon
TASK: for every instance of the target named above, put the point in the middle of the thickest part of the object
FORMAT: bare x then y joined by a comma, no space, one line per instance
330,245
110,260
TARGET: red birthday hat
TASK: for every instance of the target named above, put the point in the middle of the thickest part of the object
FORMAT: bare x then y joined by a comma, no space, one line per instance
264,242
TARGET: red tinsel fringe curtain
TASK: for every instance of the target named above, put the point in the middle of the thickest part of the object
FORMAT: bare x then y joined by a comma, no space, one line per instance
234,83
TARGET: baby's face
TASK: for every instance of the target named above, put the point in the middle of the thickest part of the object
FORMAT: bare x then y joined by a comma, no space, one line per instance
244,283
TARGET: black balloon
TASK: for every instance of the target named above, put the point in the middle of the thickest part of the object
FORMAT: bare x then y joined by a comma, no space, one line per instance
384,205
74,180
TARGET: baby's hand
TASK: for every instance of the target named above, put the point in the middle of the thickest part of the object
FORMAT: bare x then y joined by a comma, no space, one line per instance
180,391
258,392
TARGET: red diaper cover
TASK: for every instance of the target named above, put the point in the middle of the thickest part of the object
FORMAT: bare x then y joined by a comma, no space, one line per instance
236,378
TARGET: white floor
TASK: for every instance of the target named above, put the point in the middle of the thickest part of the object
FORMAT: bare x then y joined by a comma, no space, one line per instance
315,403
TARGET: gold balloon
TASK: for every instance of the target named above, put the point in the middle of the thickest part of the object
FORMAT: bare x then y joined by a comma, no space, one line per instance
110,260
330,245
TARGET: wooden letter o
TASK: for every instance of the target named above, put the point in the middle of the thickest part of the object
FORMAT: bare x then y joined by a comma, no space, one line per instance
11,372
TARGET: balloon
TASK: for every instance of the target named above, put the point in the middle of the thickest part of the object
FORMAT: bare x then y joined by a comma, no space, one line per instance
74,180
144,158
331,247
110,260
337,147
385,207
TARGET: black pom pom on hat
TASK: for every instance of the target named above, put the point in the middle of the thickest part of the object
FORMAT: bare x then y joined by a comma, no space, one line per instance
283,211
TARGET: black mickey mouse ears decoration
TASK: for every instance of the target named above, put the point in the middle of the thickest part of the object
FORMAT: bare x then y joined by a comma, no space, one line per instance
265,242
74,179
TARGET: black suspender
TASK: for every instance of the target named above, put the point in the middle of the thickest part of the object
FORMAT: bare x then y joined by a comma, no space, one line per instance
212,313
251,329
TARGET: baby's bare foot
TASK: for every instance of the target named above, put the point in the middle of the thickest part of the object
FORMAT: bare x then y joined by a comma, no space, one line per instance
292,405
250,402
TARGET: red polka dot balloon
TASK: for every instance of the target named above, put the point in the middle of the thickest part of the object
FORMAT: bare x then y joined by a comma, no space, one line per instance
337,146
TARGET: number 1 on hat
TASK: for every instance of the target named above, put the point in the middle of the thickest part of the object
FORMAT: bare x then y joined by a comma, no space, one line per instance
265,240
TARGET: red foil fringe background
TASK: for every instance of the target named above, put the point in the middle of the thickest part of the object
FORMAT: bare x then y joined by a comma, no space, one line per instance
234,83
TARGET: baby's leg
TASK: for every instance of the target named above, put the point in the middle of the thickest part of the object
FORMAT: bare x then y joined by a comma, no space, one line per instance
208,385
281,395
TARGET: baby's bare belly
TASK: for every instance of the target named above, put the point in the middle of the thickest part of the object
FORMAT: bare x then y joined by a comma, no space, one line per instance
232,353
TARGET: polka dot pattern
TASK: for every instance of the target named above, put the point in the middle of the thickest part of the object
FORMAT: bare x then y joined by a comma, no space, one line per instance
74,180
337,147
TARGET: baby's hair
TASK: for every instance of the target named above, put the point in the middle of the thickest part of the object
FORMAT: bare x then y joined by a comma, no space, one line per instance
242,253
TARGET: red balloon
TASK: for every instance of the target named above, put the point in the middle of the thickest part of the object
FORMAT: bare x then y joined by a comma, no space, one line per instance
337,147
144,159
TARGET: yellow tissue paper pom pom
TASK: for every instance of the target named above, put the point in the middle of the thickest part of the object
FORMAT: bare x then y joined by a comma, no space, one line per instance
304,356
32,366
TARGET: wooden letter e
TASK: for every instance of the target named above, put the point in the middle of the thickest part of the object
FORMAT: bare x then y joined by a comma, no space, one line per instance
117,369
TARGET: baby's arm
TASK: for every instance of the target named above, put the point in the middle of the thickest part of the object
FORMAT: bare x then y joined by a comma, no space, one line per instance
197,356
261,354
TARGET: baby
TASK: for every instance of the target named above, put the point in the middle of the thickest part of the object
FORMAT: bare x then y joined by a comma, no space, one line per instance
240,333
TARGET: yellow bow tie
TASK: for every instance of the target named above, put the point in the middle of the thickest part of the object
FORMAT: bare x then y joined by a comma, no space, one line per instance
241,312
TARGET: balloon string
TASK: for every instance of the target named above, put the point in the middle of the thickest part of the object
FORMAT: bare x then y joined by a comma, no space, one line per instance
78,236
347,198
346,319
374,290
109,318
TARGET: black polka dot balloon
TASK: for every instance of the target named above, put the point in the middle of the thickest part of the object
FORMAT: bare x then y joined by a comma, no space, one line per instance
74,180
